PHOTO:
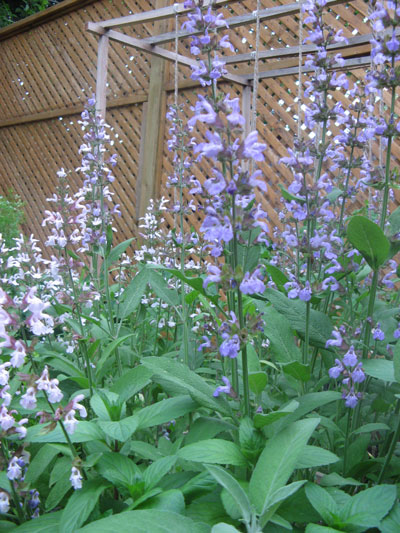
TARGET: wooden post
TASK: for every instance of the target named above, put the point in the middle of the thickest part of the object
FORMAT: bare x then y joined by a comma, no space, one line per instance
152,142
101,76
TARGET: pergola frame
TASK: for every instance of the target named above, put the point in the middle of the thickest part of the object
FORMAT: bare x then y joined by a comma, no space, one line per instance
358,47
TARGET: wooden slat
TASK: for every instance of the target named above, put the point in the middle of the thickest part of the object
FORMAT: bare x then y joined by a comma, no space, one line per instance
156,14
242,20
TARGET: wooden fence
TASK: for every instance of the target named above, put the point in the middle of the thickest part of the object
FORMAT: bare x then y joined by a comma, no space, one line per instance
48,71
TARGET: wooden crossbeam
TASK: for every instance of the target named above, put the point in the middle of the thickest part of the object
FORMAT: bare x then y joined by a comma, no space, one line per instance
155,14
241,20
349,64
293,51
157,51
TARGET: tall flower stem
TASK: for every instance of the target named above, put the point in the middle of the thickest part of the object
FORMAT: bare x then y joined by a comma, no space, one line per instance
386,188
17,501
346,442
393,444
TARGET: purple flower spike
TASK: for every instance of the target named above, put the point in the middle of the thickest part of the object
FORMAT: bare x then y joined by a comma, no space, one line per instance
226,389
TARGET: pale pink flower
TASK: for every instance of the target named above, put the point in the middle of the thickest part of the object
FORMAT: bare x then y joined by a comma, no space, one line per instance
28,400
14,470
76,478
18,355
6,420
4,502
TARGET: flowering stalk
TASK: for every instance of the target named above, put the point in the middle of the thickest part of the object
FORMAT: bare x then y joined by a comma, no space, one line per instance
228,195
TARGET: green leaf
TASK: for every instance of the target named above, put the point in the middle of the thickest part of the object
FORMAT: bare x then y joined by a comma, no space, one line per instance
160,287
283,493
222,527
369,428
108,350
380,369
226,480
391,524
169,500
213,451
131,382
85,432
157,470
132,295
206,428
394,222
121,430
280,334
322,502
258,381
294,311
277,276
117,251
375,502
313,456
261,420
335,480
315,528
41,461
59,490
297,370
118,469
368,238
186,381
80,505
47,523
278,460
396,361
164,411
145,521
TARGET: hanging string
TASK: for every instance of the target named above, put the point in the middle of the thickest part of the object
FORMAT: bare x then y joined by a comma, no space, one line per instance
176,97
300,75
176,58
253,119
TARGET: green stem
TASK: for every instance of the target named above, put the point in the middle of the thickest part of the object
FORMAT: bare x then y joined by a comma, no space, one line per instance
391,449
17,501
387,165
346,443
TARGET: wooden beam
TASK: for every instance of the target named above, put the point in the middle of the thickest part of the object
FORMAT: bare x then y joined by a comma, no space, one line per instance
293,51
42,17
349,64
157,51
137,98
101,75
241,20
152,143
155,14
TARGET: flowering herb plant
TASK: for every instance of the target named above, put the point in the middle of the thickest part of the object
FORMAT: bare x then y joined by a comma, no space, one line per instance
239,378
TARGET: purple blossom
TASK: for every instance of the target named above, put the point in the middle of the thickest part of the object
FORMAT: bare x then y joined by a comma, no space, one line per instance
214,275
377,333
350,358
351,398
252,283
230,346
252,148
335,371
305,293
336,341
226,389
